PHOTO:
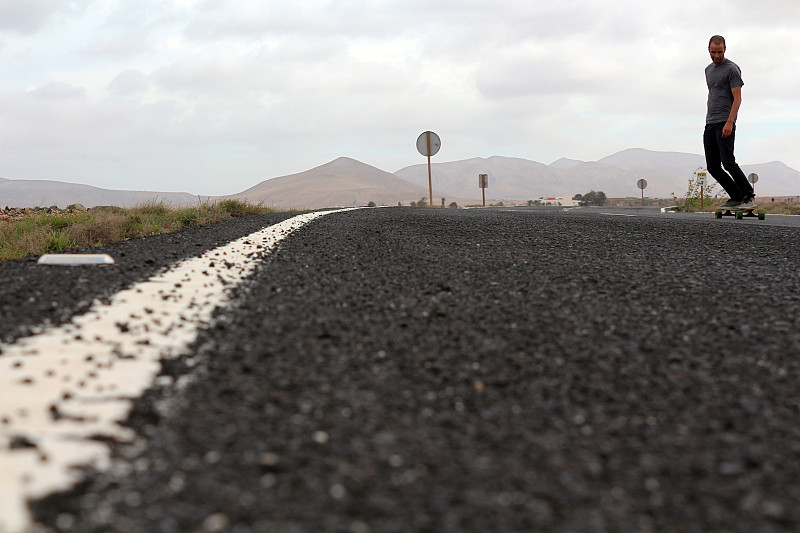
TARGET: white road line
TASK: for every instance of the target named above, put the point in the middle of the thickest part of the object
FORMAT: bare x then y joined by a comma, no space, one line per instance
76,381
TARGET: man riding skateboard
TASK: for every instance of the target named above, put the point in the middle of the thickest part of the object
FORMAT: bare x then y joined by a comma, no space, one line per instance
724,79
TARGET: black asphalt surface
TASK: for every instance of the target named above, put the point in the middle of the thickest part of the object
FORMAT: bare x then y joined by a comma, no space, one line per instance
472,370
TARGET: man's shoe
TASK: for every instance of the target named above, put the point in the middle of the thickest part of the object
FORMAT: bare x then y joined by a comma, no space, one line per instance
730,204
748,203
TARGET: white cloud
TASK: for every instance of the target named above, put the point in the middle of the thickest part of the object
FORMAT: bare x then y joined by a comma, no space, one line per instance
129,82
30,16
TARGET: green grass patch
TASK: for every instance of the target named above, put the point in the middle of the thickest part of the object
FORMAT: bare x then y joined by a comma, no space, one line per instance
44,233
58,241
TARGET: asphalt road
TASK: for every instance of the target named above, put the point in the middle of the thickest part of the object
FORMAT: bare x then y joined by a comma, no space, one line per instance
463,370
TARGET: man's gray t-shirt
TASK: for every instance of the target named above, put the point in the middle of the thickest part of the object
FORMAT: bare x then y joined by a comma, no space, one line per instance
721,79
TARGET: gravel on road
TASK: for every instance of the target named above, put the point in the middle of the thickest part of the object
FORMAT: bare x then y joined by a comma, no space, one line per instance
476,370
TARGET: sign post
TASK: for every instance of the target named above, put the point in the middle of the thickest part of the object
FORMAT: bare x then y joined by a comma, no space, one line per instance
642,184
753,178
428,144
483,182
701,180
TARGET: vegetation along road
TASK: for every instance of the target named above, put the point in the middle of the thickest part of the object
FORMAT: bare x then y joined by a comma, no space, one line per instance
398,369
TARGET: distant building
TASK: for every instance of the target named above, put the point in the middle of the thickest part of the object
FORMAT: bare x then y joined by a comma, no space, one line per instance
556,200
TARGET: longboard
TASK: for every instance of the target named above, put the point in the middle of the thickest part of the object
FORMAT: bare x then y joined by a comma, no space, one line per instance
740,213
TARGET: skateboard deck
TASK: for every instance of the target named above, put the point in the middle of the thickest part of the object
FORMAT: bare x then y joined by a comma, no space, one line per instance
740,213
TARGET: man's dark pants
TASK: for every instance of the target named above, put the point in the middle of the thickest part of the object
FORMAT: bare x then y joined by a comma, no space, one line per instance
719,159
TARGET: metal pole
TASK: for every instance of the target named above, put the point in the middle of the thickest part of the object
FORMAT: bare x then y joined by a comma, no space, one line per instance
642,197
430,186
483,192
702,198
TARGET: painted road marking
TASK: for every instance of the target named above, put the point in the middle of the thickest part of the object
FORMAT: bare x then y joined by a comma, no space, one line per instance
76,381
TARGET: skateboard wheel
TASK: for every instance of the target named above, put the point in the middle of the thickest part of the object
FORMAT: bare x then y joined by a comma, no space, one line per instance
762,216
718,214
739,215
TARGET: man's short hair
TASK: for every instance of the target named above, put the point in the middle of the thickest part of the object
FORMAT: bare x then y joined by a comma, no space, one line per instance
717,39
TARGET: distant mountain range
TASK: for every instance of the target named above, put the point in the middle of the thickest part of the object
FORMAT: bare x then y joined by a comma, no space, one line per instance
348,182
616,175
46,193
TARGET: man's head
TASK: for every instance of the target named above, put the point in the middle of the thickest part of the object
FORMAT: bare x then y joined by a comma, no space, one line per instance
716,48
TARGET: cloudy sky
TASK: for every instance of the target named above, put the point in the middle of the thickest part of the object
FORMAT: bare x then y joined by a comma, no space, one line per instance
213,96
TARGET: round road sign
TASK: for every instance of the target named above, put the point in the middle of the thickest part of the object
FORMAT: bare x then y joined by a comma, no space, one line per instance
753,178
641,184
428,139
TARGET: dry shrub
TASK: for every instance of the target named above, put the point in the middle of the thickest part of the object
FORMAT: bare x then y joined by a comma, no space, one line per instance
102,228
240,208
785,208
157,209
32,241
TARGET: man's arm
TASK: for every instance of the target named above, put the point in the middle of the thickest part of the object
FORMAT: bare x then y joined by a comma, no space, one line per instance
737,101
